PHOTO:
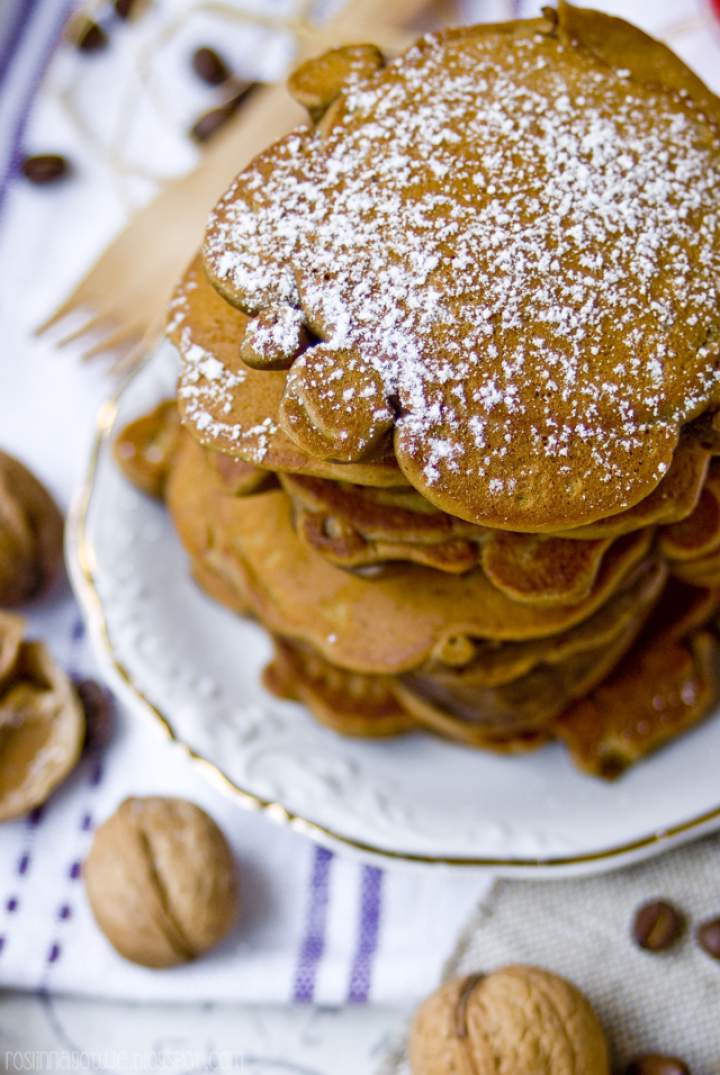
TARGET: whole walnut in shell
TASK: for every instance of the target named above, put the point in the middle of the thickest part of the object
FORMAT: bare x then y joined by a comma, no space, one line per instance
161,881
519,1020
31,530
42,725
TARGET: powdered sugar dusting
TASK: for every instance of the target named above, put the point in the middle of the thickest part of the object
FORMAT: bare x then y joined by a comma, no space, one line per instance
277,336
207,387
523,244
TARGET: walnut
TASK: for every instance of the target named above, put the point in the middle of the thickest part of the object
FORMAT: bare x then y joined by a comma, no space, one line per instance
41,727
161,882
517,1019
12,629
31,529
144,449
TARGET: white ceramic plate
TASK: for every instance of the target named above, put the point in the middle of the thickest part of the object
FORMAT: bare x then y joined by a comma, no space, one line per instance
194,666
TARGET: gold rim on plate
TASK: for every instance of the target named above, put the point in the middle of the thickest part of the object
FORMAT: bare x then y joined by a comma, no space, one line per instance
82,566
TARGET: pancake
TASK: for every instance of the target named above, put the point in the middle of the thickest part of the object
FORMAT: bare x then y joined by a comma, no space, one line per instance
238,478
345,547
358,711
145,448
232,408
215,584
702,572
355,527
379,514
708,429
674,498
316,83
698,535
663,687
344,701
472,236
358,527
682,610
527,706
509,717
543,570
381,626
493,664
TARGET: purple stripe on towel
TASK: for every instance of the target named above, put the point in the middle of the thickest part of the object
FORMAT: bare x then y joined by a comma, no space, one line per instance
370,909
54,29
313,942
17,22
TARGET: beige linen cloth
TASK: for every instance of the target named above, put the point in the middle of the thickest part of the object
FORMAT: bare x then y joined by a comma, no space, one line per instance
648,1002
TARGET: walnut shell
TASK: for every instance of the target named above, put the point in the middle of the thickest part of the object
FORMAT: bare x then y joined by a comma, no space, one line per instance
518,1019
145,448
161,881
12,629
42,728
31,529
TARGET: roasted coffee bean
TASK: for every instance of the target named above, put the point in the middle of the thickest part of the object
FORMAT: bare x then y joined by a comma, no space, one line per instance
98,708
657,925
204,128
708,937
124,9
655,1064
209,66
89,36
45,167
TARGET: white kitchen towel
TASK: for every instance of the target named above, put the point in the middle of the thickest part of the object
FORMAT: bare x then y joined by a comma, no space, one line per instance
316,926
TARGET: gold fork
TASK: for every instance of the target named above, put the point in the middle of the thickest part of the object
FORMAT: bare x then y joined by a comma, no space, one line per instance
122,297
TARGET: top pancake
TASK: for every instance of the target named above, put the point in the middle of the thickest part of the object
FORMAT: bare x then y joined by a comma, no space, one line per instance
507,243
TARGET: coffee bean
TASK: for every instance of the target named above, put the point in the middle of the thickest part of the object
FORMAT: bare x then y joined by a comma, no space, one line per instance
209,66
45,168
708,937
655,1064
89,36
124,8
657,925
204,128
99,712
211,122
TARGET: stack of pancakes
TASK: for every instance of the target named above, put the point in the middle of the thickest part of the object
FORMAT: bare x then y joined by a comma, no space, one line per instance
450,368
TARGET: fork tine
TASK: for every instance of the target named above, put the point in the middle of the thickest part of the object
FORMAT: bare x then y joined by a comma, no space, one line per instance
125,362
78,297
93,321
122,334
